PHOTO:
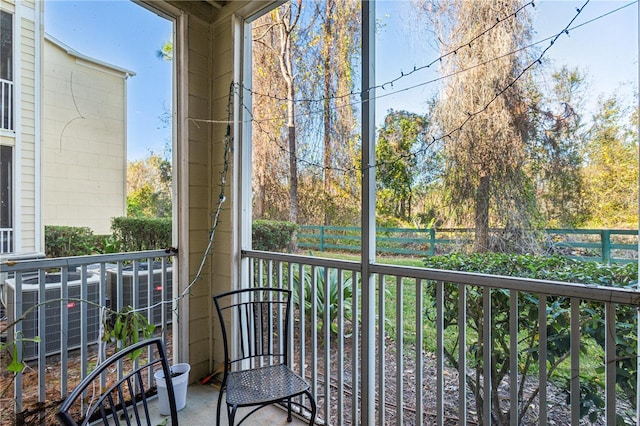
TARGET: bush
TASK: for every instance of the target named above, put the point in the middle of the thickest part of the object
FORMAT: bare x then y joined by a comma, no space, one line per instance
271,235
553,268
334,282
137,234
64,241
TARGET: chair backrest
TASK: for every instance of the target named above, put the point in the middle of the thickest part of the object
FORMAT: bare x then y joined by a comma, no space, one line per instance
257,320
123,396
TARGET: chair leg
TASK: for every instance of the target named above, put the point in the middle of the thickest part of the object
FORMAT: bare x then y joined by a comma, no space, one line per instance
232,415
289,418
313,408
219,404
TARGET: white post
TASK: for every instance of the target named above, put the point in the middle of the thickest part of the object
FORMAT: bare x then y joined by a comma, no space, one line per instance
368,215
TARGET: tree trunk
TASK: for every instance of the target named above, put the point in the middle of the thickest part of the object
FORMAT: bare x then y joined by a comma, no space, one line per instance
482,215
286,67
326,53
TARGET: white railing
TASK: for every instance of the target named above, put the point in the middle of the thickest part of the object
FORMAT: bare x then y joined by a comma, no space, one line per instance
6,104
6,240
62,310
430,343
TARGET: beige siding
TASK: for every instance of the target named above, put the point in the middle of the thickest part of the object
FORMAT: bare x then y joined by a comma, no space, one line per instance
200,179
210,72
27,147
84,142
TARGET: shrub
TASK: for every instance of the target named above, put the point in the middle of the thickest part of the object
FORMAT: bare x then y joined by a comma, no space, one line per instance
553,268
271,235
64,241
324,307
137,234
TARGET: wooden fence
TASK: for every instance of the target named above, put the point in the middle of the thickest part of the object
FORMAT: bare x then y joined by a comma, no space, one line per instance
602,245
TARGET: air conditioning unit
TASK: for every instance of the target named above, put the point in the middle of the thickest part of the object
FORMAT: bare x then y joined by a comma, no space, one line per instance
53,329
142,290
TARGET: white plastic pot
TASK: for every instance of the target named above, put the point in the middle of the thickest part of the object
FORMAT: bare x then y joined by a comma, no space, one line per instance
179,388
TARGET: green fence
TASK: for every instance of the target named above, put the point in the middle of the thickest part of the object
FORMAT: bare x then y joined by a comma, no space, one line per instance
603,245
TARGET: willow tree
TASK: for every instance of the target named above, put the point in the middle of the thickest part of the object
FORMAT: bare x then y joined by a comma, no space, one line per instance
557,152
481,112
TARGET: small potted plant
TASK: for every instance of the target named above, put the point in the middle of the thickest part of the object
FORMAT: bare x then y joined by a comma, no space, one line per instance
126,326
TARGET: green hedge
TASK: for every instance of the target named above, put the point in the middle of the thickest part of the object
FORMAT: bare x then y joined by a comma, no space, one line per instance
136,234
272,235
64,241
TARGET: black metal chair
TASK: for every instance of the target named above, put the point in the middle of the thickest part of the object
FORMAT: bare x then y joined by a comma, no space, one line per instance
123,400
255,327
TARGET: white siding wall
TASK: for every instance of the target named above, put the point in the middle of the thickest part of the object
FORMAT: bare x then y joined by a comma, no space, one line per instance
27,232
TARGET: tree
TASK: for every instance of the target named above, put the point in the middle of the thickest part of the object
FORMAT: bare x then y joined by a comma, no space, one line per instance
557,151
340,43
270,163
611,172
286,19
396,170
166,51
482,114
323,128
149,187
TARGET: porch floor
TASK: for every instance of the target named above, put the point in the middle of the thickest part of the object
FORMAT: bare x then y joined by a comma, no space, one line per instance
201,410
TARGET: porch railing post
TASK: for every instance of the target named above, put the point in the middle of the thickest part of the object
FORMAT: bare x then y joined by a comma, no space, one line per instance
605,241
432,242
368,237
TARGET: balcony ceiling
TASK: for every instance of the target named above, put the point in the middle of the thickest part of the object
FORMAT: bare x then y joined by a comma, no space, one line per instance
206,9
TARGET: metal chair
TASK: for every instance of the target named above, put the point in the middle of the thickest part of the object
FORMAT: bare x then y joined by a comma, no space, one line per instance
255,326
124,400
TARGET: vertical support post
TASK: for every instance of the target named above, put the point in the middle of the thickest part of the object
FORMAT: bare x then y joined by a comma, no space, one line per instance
382,354
487,342
419,358
432,243
322,238
368,244
513,357
605,241
440,353
610,366
399,353
462,354
542,358
575,361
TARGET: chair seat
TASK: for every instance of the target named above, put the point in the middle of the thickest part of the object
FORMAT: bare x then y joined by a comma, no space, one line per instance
263,385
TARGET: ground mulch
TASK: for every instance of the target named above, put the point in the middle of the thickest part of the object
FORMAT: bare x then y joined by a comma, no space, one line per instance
35,412
558,413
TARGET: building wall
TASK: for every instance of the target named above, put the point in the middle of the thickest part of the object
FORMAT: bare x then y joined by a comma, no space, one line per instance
25,138
84,141
205,69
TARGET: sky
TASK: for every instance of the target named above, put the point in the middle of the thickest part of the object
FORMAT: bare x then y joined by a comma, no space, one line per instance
126,35
606,49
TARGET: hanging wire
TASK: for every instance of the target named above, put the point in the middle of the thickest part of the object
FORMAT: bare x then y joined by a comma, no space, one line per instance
466,44
470,115
228,149
228,139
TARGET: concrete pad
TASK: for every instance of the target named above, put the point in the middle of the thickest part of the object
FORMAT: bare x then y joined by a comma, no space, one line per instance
201,406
